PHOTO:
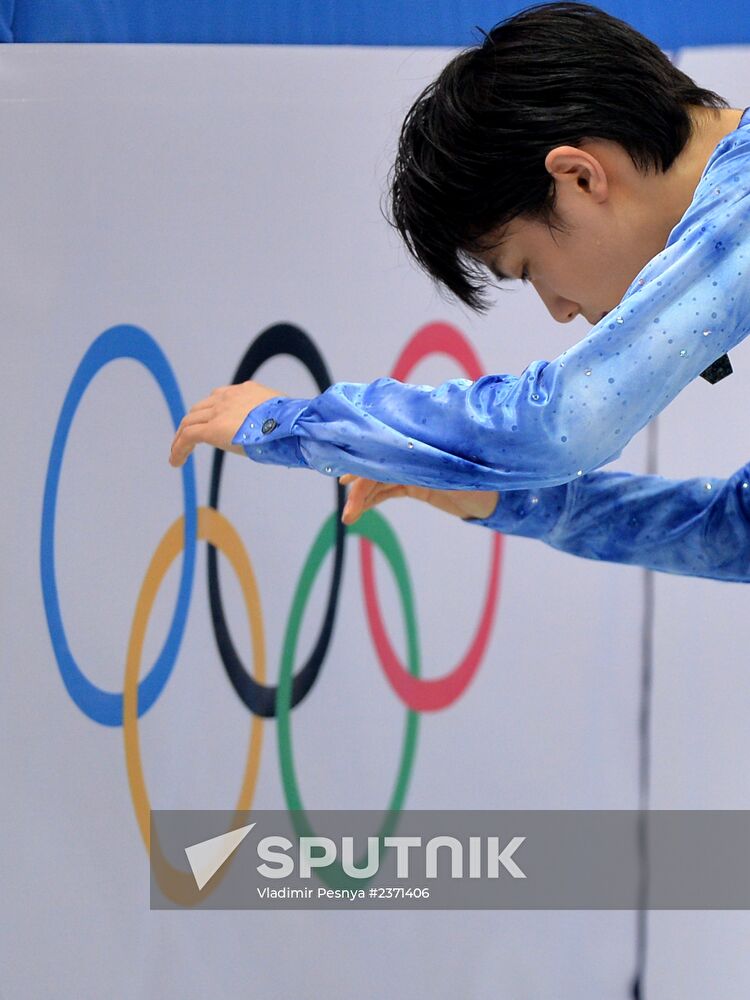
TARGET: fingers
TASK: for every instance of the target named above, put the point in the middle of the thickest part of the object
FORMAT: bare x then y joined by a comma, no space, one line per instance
214,419
201,416
391,491
204,404
356,502
189,433
365,494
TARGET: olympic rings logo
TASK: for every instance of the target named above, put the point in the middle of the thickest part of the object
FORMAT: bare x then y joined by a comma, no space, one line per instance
206,523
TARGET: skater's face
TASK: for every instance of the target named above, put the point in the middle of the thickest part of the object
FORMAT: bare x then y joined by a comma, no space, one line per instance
611,227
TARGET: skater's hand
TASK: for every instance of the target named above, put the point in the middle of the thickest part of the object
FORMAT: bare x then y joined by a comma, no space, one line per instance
217,418
367,493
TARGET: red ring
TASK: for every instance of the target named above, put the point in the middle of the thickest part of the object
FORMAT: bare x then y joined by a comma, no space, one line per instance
431,694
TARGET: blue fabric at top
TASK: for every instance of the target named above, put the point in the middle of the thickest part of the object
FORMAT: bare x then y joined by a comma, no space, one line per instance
6,20
339,22
692,527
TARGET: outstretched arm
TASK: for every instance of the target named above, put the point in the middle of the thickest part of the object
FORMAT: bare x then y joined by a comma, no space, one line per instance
559,419
694,527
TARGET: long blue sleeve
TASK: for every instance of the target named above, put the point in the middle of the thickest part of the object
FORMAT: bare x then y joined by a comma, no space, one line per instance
559,419
694,527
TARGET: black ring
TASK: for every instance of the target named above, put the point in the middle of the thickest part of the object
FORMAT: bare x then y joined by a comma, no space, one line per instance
281,338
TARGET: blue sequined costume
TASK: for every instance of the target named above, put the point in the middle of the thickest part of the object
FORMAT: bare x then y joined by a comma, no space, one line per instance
537,438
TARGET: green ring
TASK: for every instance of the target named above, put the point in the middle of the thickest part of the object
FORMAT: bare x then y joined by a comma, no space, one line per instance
374,527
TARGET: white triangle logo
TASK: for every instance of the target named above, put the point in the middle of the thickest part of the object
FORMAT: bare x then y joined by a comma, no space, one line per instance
207,857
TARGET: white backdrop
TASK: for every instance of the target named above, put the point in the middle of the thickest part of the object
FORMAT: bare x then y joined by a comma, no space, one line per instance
203,194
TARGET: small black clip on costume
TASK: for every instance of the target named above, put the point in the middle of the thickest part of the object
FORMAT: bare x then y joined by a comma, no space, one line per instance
718,370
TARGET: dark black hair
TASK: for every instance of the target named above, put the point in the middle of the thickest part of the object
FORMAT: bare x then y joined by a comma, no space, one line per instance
472,147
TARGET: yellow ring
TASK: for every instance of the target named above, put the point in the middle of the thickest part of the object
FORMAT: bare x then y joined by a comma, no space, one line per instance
214,528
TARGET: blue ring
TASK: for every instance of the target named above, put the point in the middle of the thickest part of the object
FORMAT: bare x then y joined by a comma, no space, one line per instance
106,706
